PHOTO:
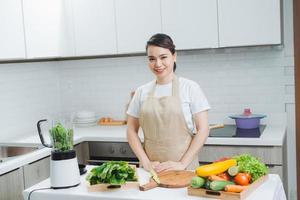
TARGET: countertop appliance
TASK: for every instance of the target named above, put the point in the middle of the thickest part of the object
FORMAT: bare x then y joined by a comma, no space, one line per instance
64,171
231,130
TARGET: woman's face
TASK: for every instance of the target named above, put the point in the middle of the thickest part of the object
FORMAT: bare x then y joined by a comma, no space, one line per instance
160,61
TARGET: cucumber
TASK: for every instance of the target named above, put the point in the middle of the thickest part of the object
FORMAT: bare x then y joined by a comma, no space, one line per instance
219,185
207,184
197,182
234,170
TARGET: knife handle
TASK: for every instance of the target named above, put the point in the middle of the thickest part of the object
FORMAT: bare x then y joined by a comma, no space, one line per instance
152,184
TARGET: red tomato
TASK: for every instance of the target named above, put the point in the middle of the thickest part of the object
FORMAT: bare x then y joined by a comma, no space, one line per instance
248,176
224,175
241,179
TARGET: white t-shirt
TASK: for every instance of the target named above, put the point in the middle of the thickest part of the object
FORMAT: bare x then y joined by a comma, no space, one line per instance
192,98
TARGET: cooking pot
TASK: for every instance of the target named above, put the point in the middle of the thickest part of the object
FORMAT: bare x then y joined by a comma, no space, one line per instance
247,120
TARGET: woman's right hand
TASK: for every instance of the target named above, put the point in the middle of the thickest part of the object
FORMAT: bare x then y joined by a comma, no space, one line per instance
150,165
154,164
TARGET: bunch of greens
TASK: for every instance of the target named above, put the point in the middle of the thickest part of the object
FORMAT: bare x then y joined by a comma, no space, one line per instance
252,165
112,172
62,138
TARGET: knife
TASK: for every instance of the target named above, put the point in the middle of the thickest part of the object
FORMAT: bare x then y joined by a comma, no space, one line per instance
154,176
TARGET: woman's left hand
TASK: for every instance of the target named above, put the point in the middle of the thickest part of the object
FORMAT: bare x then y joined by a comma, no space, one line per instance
169,165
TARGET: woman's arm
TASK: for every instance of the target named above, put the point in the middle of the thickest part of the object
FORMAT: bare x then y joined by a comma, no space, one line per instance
201,122
135,143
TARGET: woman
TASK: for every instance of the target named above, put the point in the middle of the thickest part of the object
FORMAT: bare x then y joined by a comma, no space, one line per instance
169,109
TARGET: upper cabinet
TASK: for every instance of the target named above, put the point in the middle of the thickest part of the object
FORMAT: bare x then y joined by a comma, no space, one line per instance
47,28
12,44
137,21
191,23
249,22
94,27
66,28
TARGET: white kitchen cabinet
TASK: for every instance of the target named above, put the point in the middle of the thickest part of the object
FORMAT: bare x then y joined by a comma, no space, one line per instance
36,172
47,28
12,44
12,185
137,21
192,24
94,27
249,22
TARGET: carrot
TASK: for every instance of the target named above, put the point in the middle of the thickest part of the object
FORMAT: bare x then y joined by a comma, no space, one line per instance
215,178
235,188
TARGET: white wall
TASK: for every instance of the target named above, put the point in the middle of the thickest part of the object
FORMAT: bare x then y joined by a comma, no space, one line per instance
28,92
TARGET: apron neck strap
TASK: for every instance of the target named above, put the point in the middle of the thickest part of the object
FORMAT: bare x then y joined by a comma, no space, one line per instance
175,87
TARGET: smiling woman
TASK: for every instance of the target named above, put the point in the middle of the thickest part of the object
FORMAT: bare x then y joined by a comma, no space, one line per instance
169,109
162,57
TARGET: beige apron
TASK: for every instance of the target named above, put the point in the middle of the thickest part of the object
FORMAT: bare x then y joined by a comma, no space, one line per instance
166,135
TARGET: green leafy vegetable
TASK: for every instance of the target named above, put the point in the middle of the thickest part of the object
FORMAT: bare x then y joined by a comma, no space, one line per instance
252,165
62,138
112,172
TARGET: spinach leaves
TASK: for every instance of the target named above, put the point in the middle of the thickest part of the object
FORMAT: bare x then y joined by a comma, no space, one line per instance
112,172
62,138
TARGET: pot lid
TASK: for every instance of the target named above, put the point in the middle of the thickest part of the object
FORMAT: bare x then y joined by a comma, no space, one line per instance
251,116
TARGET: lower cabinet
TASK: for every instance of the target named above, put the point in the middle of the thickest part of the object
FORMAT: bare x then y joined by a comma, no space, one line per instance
12,185
36,171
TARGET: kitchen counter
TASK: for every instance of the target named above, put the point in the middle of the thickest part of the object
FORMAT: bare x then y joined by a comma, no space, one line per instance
271,189
273,135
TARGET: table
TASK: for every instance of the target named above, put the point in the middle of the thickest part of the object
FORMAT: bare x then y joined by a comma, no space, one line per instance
272,189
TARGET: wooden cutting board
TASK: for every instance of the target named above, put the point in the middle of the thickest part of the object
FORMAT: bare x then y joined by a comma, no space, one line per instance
171,179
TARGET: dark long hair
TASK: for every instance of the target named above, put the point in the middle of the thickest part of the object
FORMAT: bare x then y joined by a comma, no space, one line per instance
164,41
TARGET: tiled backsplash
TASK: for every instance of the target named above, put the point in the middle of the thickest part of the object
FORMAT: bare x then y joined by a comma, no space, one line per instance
28,92
258,78
232,80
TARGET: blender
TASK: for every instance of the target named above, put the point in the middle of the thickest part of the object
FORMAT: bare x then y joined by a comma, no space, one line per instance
64,171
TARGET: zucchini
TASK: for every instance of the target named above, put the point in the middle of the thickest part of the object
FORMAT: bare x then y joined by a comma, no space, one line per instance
219,185
234,170
207,184
215,168
197,182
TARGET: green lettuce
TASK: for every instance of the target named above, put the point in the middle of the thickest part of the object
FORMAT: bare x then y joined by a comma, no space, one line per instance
252,165
112,172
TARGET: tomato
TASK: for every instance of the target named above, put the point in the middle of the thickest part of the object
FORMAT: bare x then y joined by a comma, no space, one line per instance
248,176
241,179
224,175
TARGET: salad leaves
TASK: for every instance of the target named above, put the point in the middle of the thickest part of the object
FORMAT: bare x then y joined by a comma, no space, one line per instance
112,172
62,138
252,165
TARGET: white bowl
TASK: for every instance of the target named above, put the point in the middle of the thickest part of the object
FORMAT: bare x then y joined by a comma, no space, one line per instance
85,114
85,120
